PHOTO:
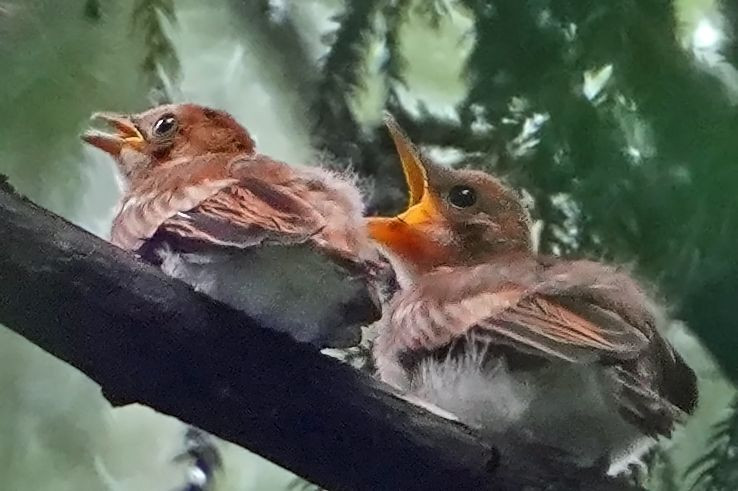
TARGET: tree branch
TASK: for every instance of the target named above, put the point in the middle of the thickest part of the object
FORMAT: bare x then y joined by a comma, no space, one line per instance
147,338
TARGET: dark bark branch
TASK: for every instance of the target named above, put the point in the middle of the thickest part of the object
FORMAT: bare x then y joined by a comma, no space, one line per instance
150,339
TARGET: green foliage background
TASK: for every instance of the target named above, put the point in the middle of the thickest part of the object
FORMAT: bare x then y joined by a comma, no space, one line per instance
618,118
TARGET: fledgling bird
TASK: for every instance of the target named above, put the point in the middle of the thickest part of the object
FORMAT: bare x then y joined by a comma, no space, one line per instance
530,349
286,244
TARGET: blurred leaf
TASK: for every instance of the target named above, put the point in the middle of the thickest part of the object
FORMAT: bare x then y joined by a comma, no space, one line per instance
717,469
160,65
93,10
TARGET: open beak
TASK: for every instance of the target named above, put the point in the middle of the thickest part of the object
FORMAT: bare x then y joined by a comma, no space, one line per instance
415,172
126,134
402,233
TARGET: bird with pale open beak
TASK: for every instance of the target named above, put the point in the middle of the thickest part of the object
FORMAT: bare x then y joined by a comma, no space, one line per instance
286,244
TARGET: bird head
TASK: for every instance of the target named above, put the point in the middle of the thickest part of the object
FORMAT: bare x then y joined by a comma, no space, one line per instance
142,142
454,216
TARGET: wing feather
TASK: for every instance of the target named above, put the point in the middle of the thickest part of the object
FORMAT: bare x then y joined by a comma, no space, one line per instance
575,329
248,213
602,318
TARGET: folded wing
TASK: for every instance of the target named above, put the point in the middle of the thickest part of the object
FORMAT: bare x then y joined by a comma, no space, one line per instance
605,320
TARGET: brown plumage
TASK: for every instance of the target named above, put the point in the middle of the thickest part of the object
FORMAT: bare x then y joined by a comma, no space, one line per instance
201,202
529,348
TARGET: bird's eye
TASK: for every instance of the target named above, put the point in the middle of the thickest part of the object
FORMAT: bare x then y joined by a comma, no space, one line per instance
165,125
462,196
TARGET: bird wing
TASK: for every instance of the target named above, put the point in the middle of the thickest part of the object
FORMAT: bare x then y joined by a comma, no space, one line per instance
566,327
250,212
222,200
567,324
244,201
601,318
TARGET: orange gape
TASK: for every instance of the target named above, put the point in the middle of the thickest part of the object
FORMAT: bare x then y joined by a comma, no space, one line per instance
410,243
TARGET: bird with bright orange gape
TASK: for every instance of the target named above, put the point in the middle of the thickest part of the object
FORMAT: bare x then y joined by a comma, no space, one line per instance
471,323
566,354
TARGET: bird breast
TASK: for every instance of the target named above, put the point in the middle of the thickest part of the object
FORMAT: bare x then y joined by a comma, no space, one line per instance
292,289
560,405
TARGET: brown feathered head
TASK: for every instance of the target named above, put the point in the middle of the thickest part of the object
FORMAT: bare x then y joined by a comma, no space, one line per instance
144,141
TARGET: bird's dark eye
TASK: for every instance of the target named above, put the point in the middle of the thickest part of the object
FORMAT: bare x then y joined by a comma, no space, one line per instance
165,125
462,196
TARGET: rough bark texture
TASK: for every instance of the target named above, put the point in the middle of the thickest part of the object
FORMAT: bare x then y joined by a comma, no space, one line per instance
150,339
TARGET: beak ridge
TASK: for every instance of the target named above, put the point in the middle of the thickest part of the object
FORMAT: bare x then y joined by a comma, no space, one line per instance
126,133
412,164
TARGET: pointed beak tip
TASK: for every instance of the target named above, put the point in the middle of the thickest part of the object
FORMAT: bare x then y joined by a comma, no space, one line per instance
107,116
101,116
412,163
126,132
107,143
